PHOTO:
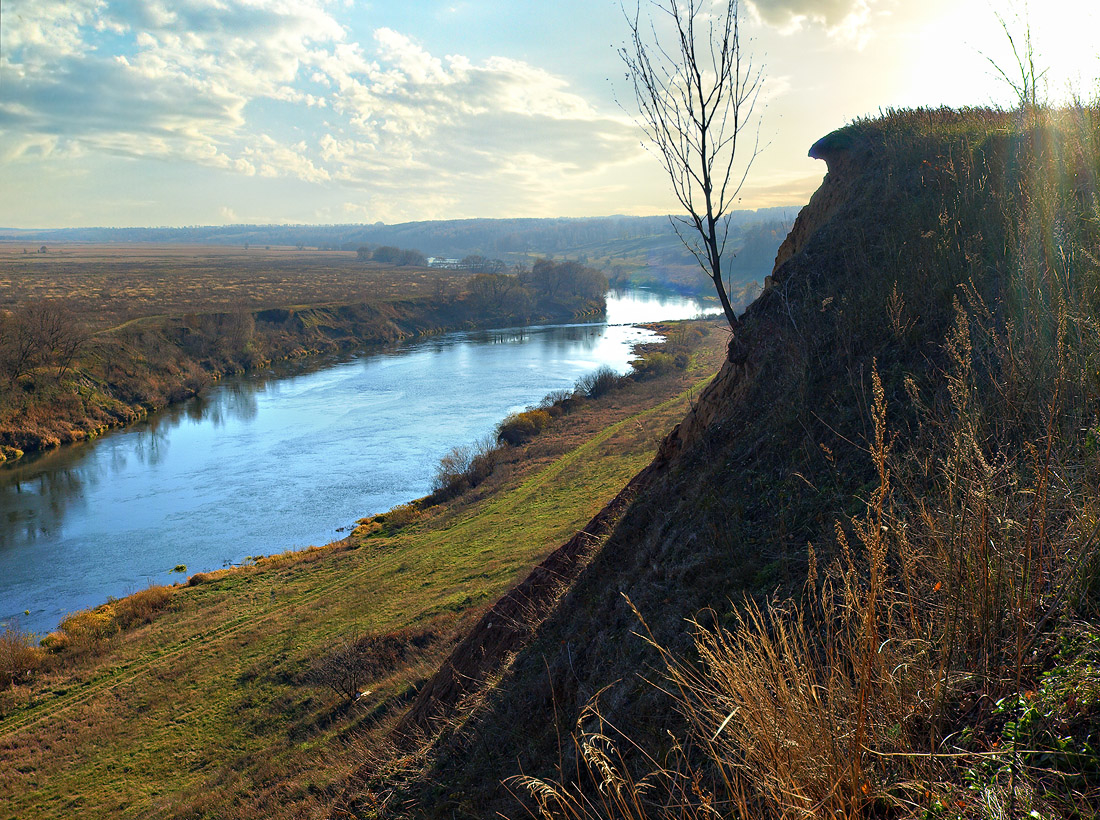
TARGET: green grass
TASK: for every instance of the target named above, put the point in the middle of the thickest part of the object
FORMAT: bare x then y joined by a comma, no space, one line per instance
203,712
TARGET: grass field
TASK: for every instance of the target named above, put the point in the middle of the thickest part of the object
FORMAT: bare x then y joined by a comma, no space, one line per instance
206,711
113,284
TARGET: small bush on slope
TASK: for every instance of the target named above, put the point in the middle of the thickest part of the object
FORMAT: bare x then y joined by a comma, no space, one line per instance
19,657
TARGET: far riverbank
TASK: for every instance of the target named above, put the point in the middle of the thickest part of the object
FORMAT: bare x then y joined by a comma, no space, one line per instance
120,375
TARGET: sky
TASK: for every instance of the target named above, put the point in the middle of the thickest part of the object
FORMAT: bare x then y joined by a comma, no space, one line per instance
205,112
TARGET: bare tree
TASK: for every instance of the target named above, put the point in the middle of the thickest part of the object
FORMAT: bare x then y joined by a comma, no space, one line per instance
345,669
40,333
19,348
1026,87
696,89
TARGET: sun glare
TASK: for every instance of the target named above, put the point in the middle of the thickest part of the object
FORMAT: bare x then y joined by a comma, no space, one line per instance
973,46
1062,37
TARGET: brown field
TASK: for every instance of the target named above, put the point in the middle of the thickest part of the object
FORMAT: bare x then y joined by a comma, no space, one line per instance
114,283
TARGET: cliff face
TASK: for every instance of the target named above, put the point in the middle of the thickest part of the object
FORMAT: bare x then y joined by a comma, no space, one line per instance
844,161
908,225
722,513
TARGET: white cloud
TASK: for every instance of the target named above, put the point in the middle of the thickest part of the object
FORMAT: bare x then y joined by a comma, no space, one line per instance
410,110
174,82
242,85
50,28
273,159
843,18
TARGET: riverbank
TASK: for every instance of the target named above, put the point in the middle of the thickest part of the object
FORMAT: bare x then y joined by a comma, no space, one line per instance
84,381
218,707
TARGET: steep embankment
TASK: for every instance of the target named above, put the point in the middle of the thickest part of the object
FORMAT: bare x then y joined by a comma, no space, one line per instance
915,382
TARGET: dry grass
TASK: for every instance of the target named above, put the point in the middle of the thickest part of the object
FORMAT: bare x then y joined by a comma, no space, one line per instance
846,704
90,631
117,283
141,607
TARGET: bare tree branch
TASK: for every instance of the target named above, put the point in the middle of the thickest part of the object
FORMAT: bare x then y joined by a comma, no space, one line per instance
696,91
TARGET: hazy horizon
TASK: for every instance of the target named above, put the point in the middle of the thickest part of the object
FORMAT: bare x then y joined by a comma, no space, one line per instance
115,113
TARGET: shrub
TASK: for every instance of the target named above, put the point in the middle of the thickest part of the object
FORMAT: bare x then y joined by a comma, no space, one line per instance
344,670
556,403
141,607
598,382
366,527
19,657
55,641
654,365
521,427
463,468
450,475
401,516
358,659
89,630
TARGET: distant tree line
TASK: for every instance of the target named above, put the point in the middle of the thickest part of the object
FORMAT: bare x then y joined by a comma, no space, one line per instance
408,257
545,283
390,255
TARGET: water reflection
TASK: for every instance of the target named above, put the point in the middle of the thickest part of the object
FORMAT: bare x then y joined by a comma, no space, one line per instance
644,305
38,491
275,460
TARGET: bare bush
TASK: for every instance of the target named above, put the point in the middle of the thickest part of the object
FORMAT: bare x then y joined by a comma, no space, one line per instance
598,383
19,657
464,468
358,659
344,670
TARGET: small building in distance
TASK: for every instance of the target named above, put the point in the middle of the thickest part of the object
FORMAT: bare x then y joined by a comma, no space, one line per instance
441,262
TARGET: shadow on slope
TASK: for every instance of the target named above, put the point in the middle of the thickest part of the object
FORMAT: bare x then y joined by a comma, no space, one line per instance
951,253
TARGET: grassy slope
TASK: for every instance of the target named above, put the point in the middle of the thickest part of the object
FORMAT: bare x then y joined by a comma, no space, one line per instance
204,709
955,253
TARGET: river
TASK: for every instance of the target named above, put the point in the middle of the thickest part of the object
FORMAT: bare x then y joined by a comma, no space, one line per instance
278,459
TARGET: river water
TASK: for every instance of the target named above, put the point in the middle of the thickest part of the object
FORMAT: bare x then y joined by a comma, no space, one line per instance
278,460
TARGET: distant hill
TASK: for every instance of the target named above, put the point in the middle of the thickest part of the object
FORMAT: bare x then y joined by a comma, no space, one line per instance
629,243
452,237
